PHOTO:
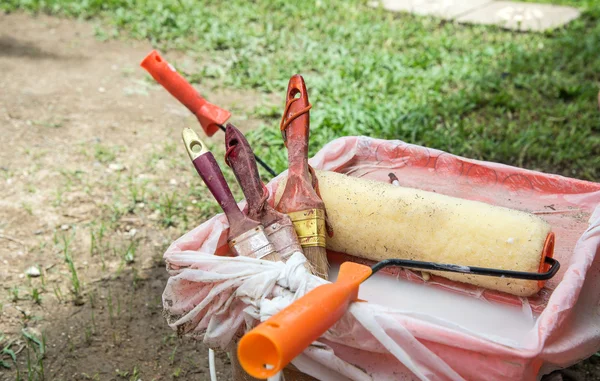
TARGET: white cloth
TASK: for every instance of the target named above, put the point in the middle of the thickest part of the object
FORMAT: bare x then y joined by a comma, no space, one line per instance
234,293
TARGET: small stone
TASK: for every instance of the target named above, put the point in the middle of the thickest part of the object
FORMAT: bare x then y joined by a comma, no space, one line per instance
140,205
189,208
194,201
154,216
21,276
38,232
9,181
132,232
64,227
173,182
33,272
101,90
116,167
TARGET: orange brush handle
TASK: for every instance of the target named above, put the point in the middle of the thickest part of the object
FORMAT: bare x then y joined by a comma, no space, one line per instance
209,115
269,347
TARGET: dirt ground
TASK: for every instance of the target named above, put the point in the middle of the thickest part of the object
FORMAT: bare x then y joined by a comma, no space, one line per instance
91,147
95,184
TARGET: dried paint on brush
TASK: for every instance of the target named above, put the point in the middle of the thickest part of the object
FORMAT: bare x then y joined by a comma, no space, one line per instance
246,236
299,199
278,226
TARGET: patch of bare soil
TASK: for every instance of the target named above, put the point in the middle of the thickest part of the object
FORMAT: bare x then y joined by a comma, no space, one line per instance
94,184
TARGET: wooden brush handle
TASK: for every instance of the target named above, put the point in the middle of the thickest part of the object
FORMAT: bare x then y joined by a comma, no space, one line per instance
241,160
297,133
299,193
209,170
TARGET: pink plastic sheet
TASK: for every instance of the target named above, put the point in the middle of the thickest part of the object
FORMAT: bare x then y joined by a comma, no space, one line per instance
567,329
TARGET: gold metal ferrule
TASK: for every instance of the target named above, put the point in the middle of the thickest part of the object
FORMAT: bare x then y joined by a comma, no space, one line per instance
310,227
252,243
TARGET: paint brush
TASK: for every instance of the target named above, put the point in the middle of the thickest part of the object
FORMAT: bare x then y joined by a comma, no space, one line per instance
246,236
299,199
278,226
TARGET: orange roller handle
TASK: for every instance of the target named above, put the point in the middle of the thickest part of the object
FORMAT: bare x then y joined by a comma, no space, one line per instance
269,347
209,115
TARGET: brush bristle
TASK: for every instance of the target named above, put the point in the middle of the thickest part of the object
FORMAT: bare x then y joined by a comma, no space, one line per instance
317,257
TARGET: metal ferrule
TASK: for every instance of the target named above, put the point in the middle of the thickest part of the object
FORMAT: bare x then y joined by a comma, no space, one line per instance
310,227
253,243
284,238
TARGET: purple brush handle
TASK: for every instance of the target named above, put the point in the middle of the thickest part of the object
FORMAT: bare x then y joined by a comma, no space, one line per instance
209,170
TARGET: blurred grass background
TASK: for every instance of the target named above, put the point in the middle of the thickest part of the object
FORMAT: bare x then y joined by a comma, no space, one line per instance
524,99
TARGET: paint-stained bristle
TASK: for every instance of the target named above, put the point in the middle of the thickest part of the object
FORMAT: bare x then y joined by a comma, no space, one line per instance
317,257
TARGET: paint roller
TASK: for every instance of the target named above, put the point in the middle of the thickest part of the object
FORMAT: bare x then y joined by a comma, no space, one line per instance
379,221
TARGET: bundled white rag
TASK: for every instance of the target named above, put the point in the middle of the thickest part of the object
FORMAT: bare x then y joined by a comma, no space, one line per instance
218,298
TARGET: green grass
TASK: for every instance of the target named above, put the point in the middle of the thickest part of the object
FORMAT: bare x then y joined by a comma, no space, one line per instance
478,91
35,296
8,356
14,294
36,352
76,285
104,154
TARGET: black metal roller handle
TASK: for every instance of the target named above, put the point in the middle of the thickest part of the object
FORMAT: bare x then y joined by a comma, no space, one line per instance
554,267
